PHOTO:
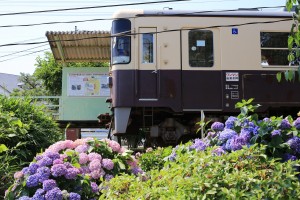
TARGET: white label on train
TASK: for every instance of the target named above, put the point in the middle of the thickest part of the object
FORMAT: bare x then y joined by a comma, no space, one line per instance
232,76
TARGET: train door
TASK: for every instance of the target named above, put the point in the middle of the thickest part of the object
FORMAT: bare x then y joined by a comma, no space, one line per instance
147,67
201,75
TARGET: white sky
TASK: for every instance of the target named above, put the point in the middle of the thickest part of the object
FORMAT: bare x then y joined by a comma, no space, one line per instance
16,63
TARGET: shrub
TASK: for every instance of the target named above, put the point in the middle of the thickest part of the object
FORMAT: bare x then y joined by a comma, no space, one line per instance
244,174
72,170
25,129
154,159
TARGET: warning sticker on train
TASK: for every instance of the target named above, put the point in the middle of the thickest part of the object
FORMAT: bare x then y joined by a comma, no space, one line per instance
232,76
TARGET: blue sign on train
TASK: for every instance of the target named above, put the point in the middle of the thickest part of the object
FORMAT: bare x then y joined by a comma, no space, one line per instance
234,31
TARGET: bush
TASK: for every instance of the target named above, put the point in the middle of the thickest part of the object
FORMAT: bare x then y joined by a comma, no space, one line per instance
25,129
244,174
72,170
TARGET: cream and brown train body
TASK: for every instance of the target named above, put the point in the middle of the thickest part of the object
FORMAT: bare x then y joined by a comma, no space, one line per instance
168,66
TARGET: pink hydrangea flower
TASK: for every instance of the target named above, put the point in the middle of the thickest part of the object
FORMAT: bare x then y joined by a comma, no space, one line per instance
83,148
57,161
18,175
95,165
83,158
93,156
132,163
96,174
115,146
107,164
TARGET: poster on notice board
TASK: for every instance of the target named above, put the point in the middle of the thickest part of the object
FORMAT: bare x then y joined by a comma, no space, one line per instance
88,84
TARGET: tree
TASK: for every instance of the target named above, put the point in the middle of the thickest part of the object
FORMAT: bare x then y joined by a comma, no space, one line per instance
293,42
50,72
29,86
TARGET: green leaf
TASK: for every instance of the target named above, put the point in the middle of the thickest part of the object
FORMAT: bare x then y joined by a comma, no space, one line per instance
278,76
3,148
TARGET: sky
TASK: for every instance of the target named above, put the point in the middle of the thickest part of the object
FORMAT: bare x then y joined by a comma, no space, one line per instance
16,59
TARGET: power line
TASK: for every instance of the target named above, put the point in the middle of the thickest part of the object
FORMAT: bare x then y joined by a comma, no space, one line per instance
103,19
172,30
24,55
23,51
91,7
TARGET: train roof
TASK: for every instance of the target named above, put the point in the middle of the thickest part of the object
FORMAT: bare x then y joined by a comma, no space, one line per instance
194,13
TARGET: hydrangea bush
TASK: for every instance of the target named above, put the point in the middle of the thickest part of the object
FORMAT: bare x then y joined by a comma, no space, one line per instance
72,170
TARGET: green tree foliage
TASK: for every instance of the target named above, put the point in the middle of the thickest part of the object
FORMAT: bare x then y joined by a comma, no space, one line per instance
25,130
50,72
293,43
29,86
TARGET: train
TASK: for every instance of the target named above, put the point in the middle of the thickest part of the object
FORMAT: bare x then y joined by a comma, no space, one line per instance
170,68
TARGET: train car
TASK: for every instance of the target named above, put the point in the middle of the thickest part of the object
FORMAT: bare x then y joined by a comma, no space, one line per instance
168,67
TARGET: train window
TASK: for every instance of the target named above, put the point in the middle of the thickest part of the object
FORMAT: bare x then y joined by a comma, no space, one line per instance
201,52
274,48
147,50
120,45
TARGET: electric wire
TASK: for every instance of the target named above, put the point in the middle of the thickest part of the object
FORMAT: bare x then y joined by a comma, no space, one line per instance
17,52
164,31
24,55
91,7
104,19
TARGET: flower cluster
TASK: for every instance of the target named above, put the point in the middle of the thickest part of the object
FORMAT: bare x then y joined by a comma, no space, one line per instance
72,170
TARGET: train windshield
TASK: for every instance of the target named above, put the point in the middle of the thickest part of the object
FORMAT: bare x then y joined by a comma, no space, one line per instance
120,42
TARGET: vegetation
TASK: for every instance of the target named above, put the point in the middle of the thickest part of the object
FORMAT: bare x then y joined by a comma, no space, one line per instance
25,130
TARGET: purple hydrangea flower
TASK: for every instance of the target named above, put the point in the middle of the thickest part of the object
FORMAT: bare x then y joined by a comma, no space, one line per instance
72,173
108,177
94,187
172,157
296,123
57,161
229,124
83,158
285,124
294,144
39,194
199,145
237,143
288,156
95,165
245,134
45,161
44,173
218,151
52,155
217,126
49,184
94,156
58,170
97,173
226,134
25,170
137,170
74,196
275,132
54,194
33,180
107,164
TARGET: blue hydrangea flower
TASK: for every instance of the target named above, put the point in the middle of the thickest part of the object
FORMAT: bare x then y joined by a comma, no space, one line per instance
296,123
25,170
275,132
294,144
49,184
33,180
285,124
172,157
74,196
226,134
229,124
45,161
245,134
237,143
39,194
199,145
217,126
52,155
32,168
54,194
